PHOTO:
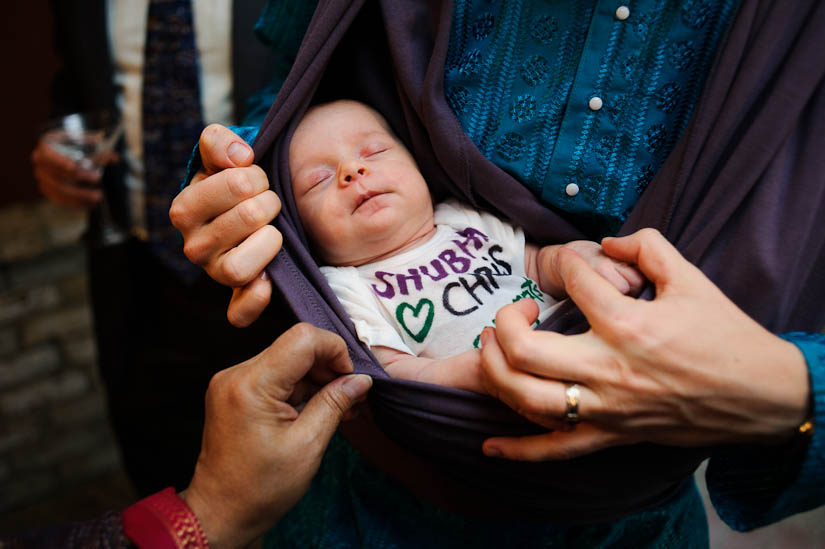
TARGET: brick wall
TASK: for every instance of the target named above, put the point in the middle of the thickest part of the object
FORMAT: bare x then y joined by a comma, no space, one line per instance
53,427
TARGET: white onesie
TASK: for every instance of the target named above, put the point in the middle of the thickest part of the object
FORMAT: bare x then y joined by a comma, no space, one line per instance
434,300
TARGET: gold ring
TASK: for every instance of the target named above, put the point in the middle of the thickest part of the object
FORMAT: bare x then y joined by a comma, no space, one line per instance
571,397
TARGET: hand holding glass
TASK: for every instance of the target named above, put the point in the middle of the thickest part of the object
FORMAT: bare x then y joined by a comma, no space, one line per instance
87,140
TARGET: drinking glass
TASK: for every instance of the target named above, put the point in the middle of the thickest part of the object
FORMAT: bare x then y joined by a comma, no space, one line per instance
88,139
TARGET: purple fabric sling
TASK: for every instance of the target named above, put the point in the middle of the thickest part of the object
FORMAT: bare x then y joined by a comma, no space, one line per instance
740,196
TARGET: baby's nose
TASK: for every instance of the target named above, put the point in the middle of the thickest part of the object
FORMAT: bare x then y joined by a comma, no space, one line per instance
350,173
348,177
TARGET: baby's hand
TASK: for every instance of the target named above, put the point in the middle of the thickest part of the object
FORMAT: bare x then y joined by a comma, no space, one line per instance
625,278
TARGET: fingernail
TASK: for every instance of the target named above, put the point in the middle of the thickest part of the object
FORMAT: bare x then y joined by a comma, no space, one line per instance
239,152
356,386
485,335
492,451
264,275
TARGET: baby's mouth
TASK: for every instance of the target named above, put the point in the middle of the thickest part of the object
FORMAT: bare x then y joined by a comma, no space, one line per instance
365,197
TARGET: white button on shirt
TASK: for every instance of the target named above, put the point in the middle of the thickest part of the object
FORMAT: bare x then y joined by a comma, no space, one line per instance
572,189
595,103
622,13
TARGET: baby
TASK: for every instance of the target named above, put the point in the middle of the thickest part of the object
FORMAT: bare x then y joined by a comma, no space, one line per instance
419,284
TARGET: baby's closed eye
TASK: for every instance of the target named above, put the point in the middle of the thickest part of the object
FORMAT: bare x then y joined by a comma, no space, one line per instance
316,177
374,149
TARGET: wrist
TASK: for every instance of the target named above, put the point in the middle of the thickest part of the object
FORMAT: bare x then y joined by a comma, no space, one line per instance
794,417
810,354
227,512
547,272
215,519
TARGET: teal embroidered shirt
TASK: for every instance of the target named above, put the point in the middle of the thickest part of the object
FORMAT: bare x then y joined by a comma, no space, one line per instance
581,101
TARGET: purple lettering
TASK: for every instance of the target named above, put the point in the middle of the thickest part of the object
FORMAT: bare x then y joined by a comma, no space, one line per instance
402,281
463,247
387,292
457,264
439,268
475,236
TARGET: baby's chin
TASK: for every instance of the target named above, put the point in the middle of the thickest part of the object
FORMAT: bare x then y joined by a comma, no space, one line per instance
385,234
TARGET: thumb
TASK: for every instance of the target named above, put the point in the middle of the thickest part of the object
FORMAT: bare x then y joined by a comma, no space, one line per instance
324,411
221,148
528,308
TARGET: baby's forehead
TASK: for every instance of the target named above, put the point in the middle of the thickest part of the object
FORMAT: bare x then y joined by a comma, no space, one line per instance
343,124
345,112
324,127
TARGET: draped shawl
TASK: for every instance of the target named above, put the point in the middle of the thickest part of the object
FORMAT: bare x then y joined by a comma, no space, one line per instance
741,196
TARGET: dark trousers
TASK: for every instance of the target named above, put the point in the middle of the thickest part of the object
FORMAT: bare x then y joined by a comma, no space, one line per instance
159,341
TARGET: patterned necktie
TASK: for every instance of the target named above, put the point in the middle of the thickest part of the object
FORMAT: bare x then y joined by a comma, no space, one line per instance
172,122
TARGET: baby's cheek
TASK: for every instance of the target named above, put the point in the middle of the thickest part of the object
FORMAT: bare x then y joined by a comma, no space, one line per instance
337,243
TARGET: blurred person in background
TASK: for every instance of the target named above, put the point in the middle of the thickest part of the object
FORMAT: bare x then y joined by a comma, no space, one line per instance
166,68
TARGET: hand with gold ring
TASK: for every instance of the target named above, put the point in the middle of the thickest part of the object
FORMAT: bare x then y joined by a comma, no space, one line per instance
688,368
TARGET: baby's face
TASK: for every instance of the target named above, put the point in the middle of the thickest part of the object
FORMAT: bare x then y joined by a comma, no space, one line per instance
358,190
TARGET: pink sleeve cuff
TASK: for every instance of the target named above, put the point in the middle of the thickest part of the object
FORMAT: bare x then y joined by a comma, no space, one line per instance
163,521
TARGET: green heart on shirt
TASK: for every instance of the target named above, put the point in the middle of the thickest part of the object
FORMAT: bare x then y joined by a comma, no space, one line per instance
416,312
